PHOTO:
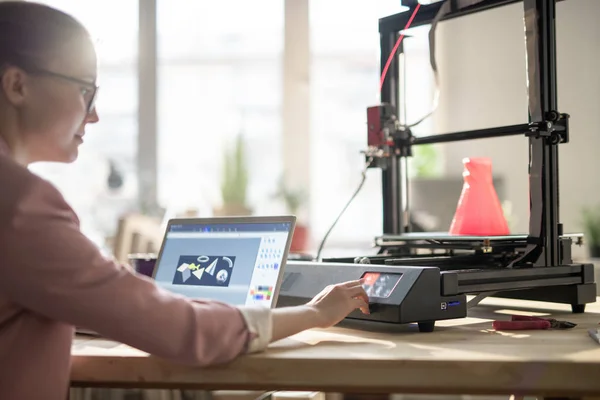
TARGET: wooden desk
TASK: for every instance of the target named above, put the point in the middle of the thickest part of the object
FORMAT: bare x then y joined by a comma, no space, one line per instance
461,357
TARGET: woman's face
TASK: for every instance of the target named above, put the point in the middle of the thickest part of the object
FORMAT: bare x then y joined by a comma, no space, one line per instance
58,104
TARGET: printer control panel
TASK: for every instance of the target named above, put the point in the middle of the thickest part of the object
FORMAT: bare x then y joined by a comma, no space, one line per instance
397,294
380,285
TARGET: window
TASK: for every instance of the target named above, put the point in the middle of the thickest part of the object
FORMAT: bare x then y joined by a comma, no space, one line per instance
345,75
113,139
219,76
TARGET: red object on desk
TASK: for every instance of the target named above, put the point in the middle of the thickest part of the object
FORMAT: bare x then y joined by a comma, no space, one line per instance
520,325
479,212
521,322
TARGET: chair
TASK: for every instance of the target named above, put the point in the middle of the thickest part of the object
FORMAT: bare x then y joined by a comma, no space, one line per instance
137,233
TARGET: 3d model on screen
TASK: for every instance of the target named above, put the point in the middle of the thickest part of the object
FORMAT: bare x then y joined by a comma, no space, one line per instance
204,270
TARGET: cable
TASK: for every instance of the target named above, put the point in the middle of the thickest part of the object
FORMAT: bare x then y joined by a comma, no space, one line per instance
444,9
360,185
432,62
395,49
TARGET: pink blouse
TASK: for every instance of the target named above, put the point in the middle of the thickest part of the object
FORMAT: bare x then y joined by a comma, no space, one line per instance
53,278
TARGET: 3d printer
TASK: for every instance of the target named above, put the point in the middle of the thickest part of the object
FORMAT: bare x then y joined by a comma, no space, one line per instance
407,286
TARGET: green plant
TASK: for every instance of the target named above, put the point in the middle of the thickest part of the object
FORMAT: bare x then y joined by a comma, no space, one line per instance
425,161
234,183
293,199
591,225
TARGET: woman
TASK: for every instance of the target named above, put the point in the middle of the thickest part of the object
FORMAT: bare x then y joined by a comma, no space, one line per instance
51,277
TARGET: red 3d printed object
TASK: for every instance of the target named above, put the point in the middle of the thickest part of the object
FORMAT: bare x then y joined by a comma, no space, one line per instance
479,212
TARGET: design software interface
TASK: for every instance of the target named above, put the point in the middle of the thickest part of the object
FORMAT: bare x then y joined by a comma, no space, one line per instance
234,263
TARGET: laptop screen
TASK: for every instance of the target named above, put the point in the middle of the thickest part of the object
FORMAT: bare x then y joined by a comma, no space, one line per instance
238,263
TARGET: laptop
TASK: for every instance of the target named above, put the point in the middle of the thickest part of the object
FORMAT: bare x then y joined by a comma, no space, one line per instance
235,260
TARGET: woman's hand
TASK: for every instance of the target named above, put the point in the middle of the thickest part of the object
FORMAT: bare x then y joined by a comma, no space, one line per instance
335,302
326,309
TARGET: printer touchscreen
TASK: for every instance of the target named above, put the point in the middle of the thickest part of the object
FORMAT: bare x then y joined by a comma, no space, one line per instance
380,285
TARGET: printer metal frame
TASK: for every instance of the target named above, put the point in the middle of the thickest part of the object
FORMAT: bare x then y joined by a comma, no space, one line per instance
544,134
544,270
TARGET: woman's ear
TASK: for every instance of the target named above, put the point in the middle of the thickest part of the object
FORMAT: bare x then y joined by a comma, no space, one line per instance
14,85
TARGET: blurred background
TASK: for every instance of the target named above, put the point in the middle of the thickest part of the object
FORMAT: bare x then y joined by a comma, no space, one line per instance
277,90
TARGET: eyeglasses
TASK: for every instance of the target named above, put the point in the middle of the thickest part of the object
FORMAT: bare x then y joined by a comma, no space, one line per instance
89,90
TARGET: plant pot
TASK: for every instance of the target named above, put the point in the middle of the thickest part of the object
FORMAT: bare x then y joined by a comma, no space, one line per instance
300,239
594,251
228,210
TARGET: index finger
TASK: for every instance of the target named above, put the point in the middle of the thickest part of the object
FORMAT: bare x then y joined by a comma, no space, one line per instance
354,283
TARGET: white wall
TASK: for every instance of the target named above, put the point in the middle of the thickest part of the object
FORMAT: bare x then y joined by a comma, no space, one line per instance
296,95
483,84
